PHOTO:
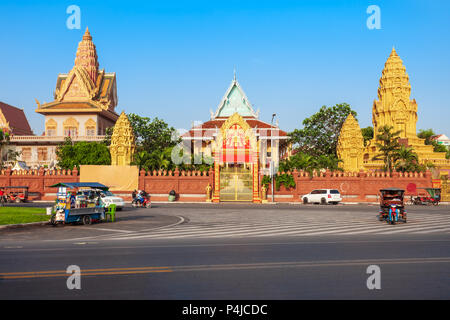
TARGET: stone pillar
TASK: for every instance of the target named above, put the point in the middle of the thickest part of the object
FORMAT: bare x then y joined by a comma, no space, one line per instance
216,194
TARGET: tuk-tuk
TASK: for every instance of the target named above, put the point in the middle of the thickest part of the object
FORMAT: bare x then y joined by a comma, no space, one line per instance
72,209
433,197
15,194
392,207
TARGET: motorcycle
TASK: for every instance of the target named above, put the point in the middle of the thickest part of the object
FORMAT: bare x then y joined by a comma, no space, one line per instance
141,202
394,213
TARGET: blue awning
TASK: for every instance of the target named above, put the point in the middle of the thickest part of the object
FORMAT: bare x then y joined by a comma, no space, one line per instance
73,185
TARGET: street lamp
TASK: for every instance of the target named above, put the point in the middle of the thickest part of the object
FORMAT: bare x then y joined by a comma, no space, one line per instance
272,174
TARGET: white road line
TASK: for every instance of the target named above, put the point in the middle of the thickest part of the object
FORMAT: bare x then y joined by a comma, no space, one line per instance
405,229
233,228
214,234
431,231
196,229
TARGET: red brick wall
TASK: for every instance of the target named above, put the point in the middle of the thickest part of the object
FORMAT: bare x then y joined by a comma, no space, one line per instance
38,181
354,187
190,186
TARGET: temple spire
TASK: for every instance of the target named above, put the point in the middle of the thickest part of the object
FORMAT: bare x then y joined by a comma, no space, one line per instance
394,106
86,56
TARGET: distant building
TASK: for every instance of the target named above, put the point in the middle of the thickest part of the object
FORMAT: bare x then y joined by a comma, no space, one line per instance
13,120
83,108
442,139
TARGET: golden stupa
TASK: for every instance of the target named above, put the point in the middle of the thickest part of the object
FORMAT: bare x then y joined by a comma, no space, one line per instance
122,142
393,108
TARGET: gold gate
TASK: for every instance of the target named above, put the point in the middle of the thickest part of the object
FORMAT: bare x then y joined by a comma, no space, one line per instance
236,182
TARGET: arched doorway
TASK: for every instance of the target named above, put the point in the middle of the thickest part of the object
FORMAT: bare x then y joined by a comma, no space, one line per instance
236,162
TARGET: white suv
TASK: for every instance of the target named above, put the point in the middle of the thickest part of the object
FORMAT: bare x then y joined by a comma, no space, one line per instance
323,196
107,197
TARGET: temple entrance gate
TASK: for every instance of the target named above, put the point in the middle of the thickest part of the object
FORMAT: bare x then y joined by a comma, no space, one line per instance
236,156
236,182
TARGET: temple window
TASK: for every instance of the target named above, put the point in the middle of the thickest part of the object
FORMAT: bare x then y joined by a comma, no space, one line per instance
91,127
50,128
70,128
42,154
90,131
26,154
70,131
51,131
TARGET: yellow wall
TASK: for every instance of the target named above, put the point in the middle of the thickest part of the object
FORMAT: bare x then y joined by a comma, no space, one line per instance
123,178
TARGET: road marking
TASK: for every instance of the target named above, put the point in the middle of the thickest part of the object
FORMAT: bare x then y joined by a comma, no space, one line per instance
181,220
84,272
221,267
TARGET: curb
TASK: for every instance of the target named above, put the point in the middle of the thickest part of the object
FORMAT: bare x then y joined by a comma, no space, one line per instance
22,225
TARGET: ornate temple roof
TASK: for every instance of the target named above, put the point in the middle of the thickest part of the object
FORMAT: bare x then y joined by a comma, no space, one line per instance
234,100
14,120
85,86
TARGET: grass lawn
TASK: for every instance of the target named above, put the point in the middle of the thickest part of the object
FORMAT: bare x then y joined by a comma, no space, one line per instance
14,215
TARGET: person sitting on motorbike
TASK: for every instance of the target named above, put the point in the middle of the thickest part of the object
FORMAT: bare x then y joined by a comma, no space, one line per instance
140,197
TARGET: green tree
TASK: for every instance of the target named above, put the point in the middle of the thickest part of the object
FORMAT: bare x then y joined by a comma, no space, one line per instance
150,134
405,159
367,134
428,135
320,133
308,163
153,134
388,147
72,155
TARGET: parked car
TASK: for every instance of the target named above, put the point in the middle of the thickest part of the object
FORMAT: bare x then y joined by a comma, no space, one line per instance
107,197
322,196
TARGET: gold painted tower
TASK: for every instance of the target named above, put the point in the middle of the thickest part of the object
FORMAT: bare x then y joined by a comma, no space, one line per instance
122,142
393,108
350,145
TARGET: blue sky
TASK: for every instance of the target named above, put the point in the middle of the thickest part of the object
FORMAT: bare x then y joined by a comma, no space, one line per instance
175,59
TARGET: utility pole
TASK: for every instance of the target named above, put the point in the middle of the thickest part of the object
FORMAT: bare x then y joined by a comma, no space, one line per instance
272,173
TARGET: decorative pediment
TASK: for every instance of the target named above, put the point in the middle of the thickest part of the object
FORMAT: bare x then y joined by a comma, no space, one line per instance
235,101
77,85
70,122
90,123
236,131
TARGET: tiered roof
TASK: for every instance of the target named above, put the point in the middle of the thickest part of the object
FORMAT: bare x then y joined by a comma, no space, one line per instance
234,101
85,88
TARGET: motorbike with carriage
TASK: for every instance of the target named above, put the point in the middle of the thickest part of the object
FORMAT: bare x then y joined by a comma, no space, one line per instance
392,206
73,207
10,194
433,197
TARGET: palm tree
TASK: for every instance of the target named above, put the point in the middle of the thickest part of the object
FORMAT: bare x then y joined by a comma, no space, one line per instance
405,159
388,145
140,159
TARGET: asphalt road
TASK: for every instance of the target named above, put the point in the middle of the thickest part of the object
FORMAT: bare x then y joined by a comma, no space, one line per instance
219,252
